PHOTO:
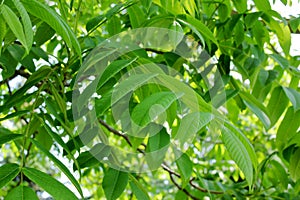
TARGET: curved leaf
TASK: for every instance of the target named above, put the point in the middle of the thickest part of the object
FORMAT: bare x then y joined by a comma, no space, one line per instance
21,192
49,16
114,183
8,172
59,164
14,24
56,189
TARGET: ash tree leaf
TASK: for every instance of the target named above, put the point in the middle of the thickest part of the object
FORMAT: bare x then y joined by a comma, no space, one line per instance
9,137
152,106
295,166
49,16
26,23
114,183
21,192
8,172
14,24
59,164
294,97
241,151
277,104
185,166
156,149
138,190
288,127
56,189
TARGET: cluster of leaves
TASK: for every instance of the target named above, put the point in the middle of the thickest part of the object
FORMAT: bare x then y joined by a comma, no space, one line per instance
43,46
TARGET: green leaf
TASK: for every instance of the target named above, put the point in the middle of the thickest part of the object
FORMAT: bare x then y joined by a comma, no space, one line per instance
257,108
192,122
56,189
113,69
114,183
185,166
49,16
22,193
196,26
237,144
44,33
146,4
93,156
262,5
14,24
152,106
288,127
4,138
138,190
2,31
277,104
136,16
114,25
59,164
294,97
156,149
240,5
8,172
26,23
295,166
283,62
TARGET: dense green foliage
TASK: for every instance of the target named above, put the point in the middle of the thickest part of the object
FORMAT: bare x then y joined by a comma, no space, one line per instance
190,99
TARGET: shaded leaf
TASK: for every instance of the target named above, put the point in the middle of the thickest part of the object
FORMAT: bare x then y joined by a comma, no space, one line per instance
22,193
114,183
8,172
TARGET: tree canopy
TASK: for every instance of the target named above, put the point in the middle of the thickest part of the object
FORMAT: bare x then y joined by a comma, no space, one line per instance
149,99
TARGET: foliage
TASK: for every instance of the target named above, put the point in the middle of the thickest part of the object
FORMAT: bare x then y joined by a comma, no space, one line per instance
220,121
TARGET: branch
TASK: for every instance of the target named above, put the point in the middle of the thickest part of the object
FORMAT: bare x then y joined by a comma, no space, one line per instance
164,166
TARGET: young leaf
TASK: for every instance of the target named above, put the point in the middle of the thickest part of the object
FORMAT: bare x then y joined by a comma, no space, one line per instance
21,192
49,16
8,137
8,172
26,23
156,149
294,97
185,166
114,183
60,165
152,106
288,127
138,190
14,24
56,189
263,5
277,104
197,25
295,166
240,5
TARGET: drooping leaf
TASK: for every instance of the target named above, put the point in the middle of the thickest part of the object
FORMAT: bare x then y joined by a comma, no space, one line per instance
197,26
241,150
60,165
277,104
185,166
4,138
288,127
114,183
14,24
49,16
152,106
156,149
8,172
138,190
56,189
295,165
21,192
257,108
294,97
26,24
